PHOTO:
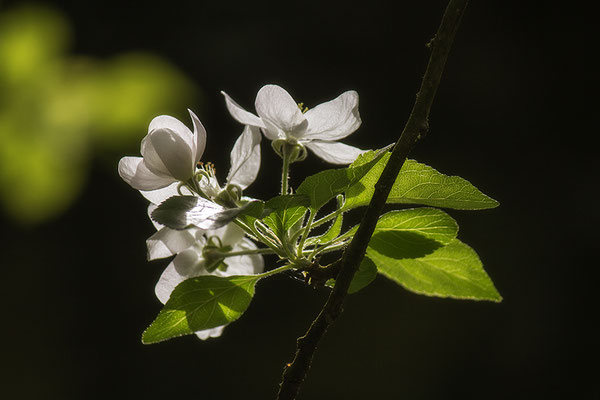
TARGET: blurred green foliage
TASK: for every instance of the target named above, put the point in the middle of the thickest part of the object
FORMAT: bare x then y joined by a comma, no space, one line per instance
58,110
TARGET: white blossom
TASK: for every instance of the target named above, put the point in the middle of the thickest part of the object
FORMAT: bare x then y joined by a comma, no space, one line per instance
191,263
170,152
319,128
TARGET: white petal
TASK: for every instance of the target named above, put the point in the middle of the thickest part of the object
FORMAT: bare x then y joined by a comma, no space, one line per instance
230,234
275,106
166,152
134,171
199,137
240,114
167,242
185,265
174,125
272,132
334,152
210,333
246,264
160,195
245,158
334,119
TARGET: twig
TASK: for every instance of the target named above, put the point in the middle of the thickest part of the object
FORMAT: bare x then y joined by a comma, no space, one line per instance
416,127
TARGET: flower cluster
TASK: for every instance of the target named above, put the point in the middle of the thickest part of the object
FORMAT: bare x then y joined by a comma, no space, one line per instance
208,241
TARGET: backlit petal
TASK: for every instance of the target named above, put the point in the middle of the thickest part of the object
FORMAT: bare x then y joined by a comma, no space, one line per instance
164,150
199,137
240,114
174,125
133,170
276,106
334,152
249,264
245,158
334,119
167,242
187,264
210,333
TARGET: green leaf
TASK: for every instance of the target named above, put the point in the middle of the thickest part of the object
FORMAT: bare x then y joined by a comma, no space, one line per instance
430,223
453,270
420,184
181,212
287,210
334,230
252,212
325,185
254,209
201,303
367,271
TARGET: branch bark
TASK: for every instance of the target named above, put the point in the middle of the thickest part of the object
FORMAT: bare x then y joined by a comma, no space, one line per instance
416,127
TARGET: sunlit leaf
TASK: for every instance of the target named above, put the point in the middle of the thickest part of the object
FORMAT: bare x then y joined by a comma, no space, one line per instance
420,184
181,212
453,270
201,303
287,210
325,185
367,272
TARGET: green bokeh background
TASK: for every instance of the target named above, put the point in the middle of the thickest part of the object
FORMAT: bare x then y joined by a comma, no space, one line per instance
79,83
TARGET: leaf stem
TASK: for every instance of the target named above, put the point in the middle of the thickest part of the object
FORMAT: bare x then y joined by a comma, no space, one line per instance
416,127
326,218
306,231
249,252
275,271
285,172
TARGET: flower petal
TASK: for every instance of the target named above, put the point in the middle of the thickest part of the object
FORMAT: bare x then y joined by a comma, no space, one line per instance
166,152
167,242
174,125
246,264
185,265
241,115
334,152
334,119
275,106
134,171
230,234
199,137
245,158
210,333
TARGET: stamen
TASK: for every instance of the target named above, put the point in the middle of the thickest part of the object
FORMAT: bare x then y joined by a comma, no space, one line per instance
302,108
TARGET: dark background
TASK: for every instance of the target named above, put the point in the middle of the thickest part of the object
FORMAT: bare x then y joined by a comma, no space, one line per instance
512,115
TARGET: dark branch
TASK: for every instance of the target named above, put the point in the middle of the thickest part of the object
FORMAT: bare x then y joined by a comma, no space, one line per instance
416,127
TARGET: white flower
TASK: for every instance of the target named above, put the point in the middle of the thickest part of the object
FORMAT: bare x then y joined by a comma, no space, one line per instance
245,163
170,152
319,128
191,262
187,246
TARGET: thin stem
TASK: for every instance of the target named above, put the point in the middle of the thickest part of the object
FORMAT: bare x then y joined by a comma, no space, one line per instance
285,173
416,127
276,271
306,231
248,252
324,250
259,236
326,218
